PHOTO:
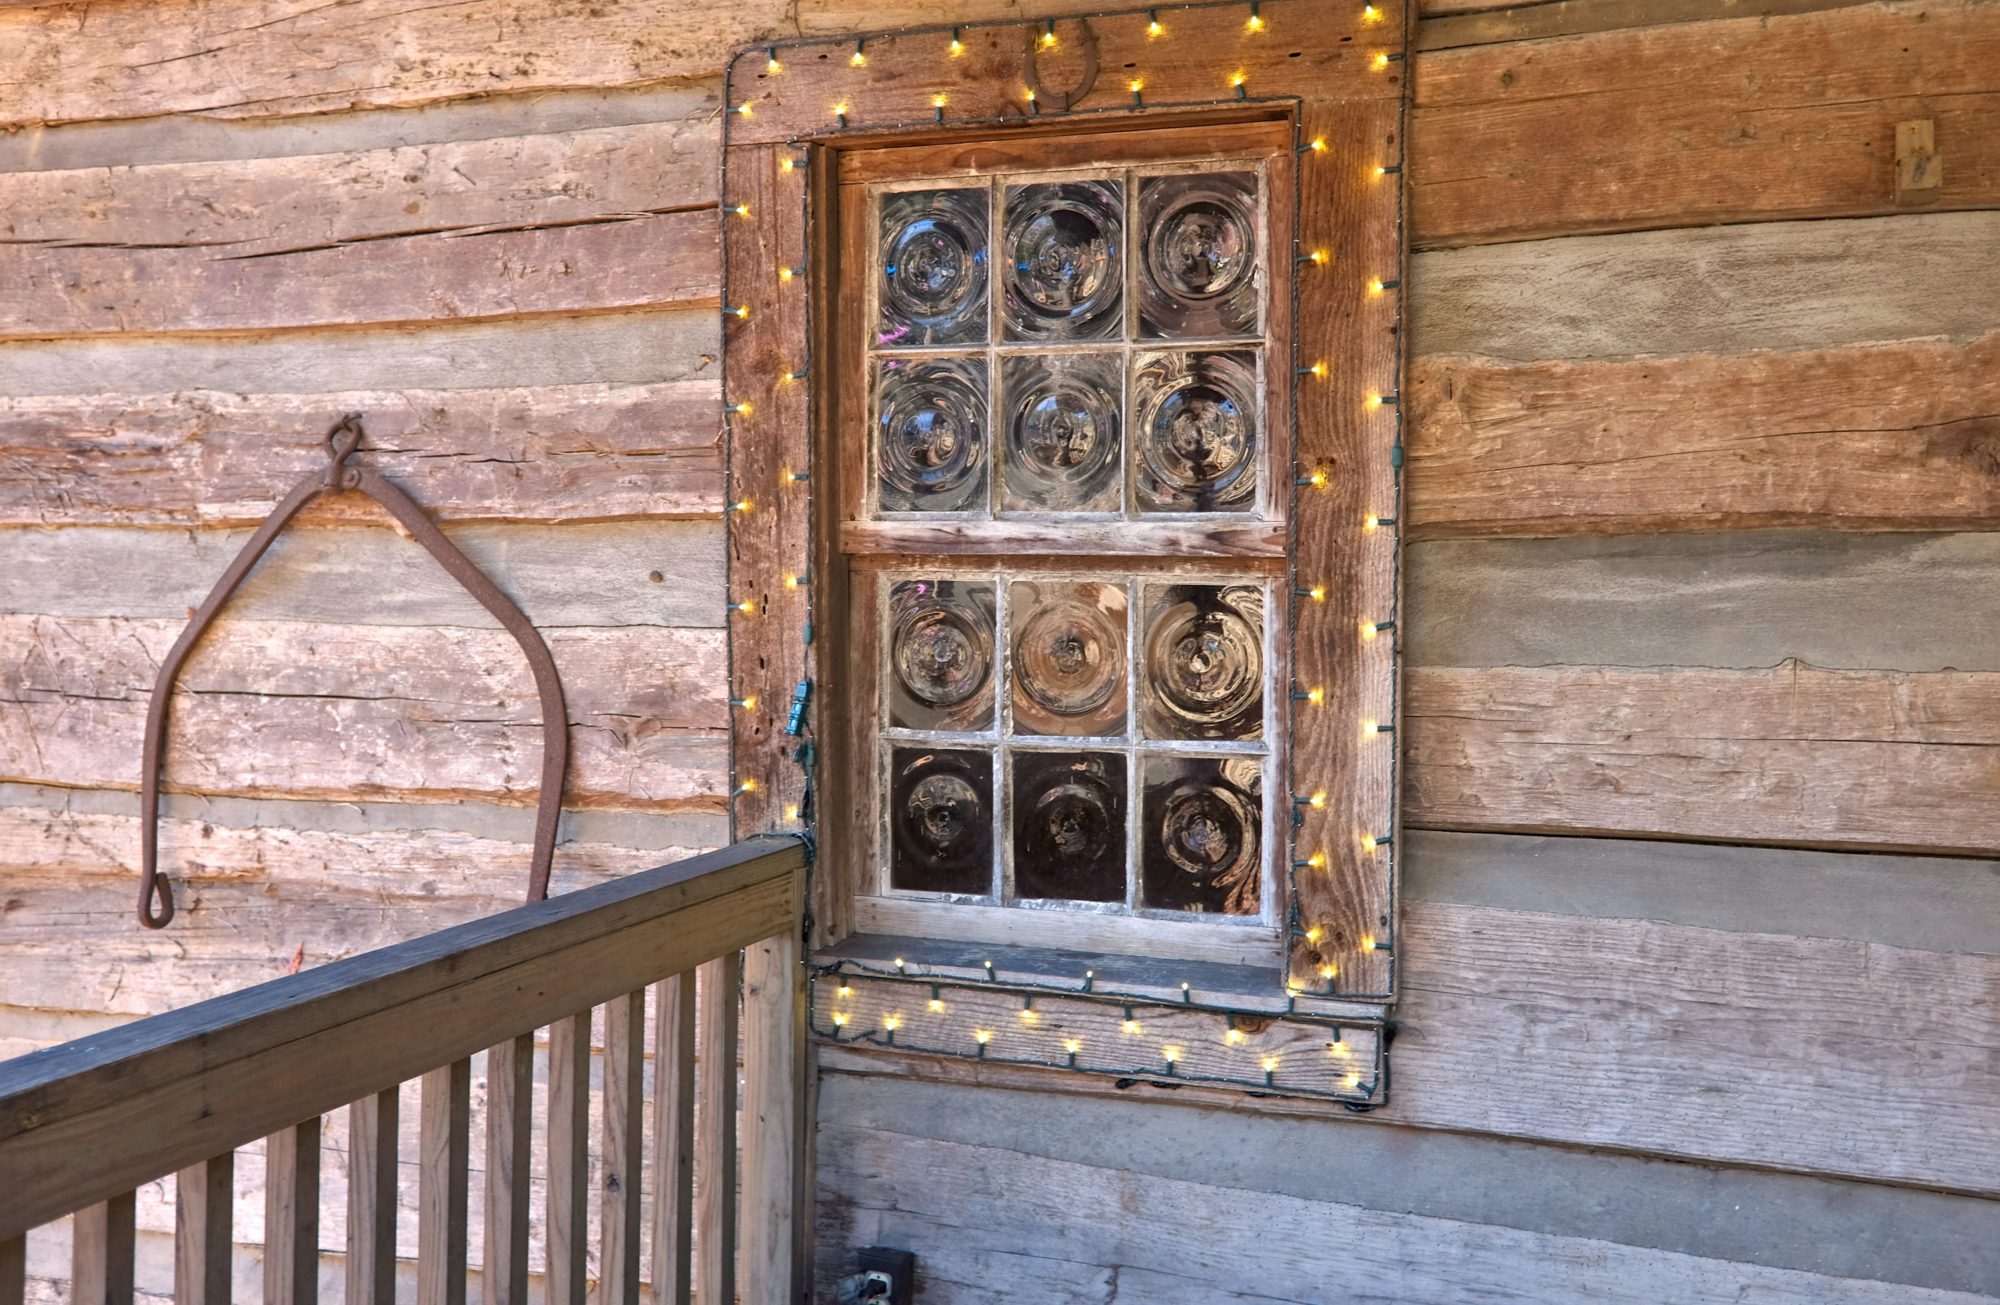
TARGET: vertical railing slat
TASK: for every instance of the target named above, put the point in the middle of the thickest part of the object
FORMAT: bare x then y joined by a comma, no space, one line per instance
444,1159
13,1270
510,1121
372,1124
291,1215
569,1159
101,1252
624,1148
204,1244
715,1136
673,1140
773,1122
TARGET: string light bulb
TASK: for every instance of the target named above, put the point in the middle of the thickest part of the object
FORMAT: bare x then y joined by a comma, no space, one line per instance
1317,145
1131,1026
1317,801
746,704
1136,86
1380,61
1318,257
1315,696
740,311
859,57
746,607
840,109
1329,972
1370,14
743,409
1270,1064
771,64
1049,34
1318,479
788,165
982,1036
1154,30
1314,934
747,786
1373,401
1317,593
1367,942
1371,522
1234,1037
844,991
1237,82
1072,1045
1170,1053
744,108
741,505
785,275
791,811
957,47
937,1005
1318,371
840,1019
742,210
1255,23
1375,286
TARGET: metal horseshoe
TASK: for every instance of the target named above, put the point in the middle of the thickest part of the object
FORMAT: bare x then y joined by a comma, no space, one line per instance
1062,101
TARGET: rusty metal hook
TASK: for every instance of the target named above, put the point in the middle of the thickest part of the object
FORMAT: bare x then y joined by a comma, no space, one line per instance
342,442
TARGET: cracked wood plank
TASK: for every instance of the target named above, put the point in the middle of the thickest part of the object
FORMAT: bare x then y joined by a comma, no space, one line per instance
1794,755
286,708
548,453
1872,437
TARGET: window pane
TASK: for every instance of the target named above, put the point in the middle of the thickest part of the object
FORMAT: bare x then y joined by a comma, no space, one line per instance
1203,674
931,429
1198,255
1201,847
1194,431
1063,261
1069,826
940,642
941,820
1061,441
933,268
1068,657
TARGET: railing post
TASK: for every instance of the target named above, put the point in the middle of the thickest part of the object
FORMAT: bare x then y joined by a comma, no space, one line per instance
444,1143
101,1252
624,1148
715,1125
569,1159
371,1198
204,1245
13,1270
510,1122
291,1215
773,1122
673,1141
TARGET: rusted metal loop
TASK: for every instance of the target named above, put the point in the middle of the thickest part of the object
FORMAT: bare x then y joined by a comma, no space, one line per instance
1062,101
342,442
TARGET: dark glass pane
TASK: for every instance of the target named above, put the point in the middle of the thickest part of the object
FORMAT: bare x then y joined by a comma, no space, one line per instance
1198,255
1069,826
1063,258
933,260
940,642
1201,817
1069,657
1203,674
1194,431
1060,447
931,434
941,820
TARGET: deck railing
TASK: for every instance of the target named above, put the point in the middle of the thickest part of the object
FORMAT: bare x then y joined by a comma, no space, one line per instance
716,941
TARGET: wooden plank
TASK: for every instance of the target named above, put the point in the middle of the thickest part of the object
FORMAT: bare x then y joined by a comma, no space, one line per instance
621,1210
372,1133
291,1215
1794,755
672,1261
101,1253
461,988
1868,437
197,457
612,263
263,58
510,1090
438,710
715,1160
1450,24
13,1270
445,1156
1739,119
775,1125
204,1247
568,1221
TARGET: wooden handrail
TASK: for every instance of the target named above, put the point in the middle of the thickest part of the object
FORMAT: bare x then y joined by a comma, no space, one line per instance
88,1121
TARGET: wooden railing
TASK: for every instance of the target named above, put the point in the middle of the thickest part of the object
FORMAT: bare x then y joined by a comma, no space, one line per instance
715,939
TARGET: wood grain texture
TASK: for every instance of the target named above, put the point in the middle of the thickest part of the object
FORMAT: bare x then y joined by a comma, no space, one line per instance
76,62
718,1002
291,1215
372,1132
1866,437
299,708
568,1218
671,1271
1734,120
200,457
510,1091
204,1247
775,1124
1792,755
101,1249
444,1154
620,1213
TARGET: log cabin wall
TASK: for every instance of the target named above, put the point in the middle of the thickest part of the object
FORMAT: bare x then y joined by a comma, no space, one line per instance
1702,915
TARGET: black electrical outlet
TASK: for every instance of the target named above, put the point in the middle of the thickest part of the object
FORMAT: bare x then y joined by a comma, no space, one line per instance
900,1267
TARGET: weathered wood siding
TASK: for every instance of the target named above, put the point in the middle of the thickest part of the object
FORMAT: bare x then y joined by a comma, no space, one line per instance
1702,910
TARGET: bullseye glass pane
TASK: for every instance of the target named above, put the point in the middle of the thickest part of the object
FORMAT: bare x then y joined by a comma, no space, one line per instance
1202,676
941,820
1200,819
1061,447
940,654
1194,431
1197,241
1069,826
930,434
932,259
1068,650
1062,255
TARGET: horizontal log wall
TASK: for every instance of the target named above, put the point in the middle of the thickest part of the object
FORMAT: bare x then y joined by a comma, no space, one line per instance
1703,502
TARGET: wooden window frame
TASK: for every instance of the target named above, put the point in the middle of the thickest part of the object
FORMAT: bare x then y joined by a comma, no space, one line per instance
1339,89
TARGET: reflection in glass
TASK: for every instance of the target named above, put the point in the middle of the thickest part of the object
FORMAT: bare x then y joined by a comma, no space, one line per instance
940,820
1063,260
940,641
1069,657
1203,674
931,434
1198,255
933,261
1201,817
1059,433
1194,428
1069,826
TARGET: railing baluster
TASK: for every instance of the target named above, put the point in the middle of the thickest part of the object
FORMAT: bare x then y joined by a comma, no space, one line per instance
510,1122
773,1122
673,1140
291,1215
13,1270
569,1158
624,1148
715,1140
444,1146
204,1245
101,1253
371,1198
